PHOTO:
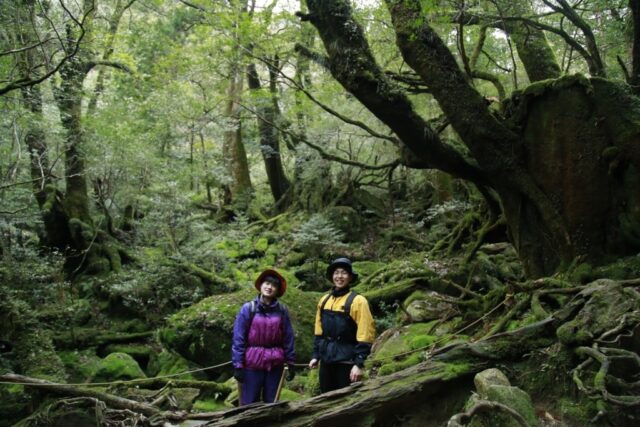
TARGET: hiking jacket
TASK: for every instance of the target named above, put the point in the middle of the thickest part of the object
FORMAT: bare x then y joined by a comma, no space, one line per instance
340,337
264,342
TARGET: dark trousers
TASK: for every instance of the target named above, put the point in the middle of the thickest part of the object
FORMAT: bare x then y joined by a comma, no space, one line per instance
334,376
260,385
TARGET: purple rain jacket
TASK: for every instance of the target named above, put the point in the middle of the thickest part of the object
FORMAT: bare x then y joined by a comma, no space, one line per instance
267,341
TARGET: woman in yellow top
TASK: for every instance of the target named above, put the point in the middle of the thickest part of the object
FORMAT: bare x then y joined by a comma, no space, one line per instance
344,330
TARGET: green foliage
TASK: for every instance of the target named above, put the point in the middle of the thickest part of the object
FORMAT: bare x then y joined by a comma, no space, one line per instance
316,236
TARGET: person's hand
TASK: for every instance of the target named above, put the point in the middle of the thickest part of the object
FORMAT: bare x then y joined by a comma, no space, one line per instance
313,363
355,374
238,374
291,372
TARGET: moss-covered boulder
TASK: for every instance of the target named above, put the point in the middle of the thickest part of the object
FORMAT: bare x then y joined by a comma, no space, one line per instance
400,348
426,306
607,302
202,333
493,385
483,380
514,398
81,365
169,363
118,367
142,353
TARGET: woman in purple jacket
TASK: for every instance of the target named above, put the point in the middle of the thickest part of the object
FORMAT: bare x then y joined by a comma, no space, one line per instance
263,341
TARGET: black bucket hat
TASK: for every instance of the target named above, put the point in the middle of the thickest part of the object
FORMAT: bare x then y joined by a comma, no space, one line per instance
341,263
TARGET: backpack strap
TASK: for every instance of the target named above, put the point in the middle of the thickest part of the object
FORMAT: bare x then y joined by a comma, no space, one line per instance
347,305
324,302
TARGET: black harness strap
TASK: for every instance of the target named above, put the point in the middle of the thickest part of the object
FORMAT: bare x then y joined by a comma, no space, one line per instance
347,304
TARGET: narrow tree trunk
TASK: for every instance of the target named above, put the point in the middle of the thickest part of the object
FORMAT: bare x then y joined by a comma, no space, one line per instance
235,156
269,143
531,43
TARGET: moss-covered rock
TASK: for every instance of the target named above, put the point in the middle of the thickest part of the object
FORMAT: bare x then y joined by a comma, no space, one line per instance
607,302
81,365
118,367
430,306
141,353
169,363
202,333
483,380
514,398
403,347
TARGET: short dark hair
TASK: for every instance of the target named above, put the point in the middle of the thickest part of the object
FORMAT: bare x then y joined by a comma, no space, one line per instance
272,279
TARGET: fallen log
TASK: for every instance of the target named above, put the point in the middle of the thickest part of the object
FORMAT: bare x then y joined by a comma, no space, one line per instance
74,391
387,399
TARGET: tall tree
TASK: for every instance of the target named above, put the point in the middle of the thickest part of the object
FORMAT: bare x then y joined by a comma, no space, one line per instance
47,195
563,157
90,249
267,115
238,191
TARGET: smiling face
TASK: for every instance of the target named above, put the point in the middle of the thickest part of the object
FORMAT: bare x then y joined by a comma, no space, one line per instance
269,290
341,278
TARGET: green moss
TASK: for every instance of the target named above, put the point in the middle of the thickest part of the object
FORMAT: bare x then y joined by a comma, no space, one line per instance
290,395
579,413
208,405
80,365
582,273
454,370
390,356
619,269
415,296
118,366
167,363
391,367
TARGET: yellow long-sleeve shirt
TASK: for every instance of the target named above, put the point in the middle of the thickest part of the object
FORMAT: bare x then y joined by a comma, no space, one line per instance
360,313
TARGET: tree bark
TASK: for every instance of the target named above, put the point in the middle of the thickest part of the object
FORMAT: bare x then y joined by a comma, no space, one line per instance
531,43
238,191
269,140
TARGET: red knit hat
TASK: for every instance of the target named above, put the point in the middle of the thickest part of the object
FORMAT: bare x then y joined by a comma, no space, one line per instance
269,272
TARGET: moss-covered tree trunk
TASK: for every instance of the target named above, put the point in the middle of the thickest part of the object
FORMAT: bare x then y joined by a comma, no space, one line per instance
564,159
269,139
531,43
47,195
90,250
238,191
